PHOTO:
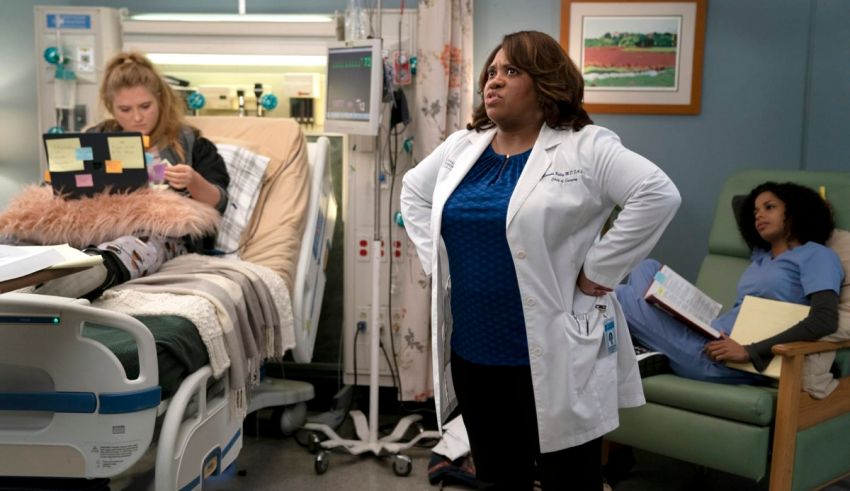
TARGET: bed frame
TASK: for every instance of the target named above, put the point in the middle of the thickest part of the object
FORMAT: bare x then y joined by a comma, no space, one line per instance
68,410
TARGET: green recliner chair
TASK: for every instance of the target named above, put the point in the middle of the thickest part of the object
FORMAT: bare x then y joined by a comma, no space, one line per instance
749,431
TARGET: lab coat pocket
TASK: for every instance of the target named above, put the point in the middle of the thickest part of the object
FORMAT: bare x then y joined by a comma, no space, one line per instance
585,334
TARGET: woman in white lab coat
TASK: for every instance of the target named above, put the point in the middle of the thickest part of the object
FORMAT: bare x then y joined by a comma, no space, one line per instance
505,217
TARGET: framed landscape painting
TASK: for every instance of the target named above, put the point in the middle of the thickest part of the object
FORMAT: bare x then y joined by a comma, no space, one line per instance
637,56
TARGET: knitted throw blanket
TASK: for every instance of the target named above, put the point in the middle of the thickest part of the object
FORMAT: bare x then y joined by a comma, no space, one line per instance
243,312
35,215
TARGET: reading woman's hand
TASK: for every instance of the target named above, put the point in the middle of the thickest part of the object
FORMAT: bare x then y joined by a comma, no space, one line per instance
180,176
726,349
590,287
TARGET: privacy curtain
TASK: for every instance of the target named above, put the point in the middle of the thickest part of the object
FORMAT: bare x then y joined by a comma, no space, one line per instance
444,98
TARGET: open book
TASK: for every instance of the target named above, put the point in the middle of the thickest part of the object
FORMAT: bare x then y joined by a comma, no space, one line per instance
759,319
22,266
681,299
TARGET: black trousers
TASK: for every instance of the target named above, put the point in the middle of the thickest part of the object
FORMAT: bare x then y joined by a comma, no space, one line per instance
497,404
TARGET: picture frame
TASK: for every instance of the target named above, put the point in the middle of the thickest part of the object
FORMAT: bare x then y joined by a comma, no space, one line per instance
637,57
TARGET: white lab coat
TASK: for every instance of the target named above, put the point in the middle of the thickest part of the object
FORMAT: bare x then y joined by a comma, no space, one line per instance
570,184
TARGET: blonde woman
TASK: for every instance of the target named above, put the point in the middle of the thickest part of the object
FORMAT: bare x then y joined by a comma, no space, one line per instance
139,99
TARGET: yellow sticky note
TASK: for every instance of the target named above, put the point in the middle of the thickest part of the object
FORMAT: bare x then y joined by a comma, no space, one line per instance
114,167
146,141
47,176
128,151
62,155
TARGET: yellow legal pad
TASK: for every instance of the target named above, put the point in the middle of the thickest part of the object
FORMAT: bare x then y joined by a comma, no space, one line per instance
759,319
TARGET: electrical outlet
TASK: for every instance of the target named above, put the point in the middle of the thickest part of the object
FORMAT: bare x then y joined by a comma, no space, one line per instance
397,250
363,248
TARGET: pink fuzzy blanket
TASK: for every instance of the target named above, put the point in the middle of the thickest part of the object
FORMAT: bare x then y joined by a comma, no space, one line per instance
36,215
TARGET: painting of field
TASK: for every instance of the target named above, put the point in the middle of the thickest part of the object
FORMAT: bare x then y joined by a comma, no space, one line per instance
638,53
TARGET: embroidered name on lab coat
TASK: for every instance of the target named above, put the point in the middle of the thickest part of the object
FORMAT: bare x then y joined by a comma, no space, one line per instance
563,177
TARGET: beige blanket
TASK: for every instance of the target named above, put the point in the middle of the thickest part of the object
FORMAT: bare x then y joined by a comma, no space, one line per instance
243,312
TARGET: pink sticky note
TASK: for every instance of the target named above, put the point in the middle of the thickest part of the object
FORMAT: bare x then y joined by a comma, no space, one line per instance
84,180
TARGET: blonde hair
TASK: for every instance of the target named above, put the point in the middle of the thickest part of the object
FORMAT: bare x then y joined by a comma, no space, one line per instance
129,70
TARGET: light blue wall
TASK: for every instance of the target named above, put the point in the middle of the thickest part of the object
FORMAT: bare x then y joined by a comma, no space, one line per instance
827,143
776,89
772,98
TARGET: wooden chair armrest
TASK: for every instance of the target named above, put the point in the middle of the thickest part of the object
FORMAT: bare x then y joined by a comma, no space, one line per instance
808,347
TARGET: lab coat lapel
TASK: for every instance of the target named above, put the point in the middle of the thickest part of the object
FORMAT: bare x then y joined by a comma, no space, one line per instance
537,164
463,161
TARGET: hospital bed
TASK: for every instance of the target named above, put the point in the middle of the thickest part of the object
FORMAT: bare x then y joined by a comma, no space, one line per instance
70,408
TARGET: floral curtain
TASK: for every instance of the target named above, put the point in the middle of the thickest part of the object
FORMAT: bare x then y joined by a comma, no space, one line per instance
444,78
444,98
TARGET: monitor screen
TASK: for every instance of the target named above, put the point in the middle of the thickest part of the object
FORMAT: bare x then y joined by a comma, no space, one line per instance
355,76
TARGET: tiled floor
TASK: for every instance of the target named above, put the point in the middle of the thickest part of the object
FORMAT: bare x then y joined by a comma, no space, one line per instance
281,463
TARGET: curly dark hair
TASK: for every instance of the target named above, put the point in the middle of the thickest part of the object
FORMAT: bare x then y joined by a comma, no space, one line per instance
807,215
557,80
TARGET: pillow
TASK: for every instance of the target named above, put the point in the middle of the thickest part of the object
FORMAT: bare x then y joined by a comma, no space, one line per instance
817,379
246,170
36,215
840,243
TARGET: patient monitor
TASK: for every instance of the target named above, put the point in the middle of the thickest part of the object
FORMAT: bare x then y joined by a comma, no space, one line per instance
355,78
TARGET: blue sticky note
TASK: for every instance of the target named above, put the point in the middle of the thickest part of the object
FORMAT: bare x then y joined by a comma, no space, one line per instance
85,153
148,158
660,277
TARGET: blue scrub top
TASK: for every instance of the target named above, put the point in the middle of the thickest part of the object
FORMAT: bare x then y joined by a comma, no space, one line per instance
790,277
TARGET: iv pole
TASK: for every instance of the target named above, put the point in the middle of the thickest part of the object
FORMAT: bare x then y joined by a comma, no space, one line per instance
367,432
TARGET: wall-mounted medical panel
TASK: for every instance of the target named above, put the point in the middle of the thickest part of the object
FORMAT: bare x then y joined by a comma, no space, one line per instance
72,46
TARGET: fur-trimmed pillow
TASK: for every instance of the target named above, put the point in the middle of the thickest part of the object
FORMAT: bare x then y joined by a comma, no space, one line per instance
36,215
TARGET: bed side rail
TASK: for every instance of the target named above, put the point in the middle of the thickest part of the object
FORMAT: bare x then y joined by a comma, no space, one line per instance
310,275
65,399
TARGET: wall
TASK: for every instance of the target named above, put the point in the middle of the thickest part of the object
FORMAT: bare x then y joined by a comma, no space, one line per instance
827,146
772,98
774,94
19,137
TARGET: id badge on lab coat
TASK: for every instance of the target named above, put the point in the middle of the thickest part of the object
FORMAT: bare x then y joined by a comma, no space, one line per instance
610,335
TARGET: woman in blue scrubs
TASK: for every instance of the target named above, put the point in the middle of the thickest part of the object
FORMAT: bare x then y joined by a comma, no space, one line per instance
786,226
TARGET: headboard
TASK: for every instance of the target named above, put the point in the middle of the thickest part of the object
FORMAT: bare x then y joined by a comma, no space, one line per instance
272,237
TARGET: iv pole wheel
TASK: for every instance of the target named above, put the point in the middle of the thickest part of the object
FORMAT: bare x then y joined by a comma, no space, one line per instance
313,442
402,465
322,462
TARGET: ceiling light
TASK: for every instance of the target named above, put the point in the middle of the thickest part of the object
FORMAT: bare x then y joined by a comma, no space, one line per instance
240,60
176,17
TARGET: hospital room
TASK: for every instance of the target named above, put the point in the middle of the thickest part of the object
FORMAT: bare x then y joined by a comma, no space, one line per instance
231,252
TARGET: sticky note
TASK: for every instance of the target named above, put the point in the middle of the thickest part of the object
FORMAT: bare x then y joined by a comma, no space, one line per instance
84,180
128,151
148,158
146,141
47,176
62,154
114,167
85,153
